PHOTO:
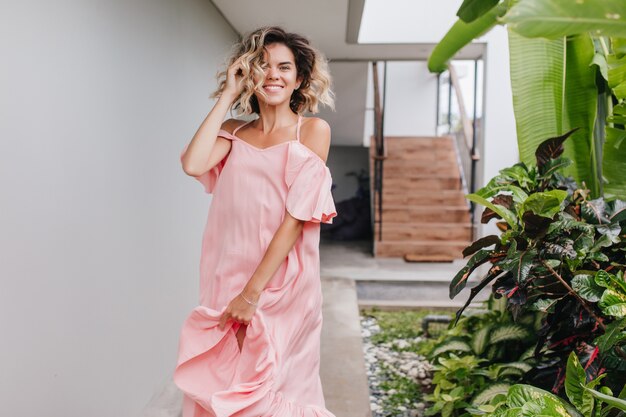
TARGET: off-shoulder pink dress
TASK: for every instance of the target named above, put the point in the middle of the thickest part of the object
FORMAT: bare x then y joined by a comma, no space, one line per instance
276,374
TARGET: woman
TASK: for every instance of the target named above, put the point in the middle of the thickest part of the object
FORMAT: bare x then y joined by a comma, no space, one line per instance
251,348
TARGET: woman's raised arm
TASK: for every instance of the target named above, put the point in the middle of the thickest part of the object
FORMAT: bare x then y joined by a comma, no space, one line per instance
194,160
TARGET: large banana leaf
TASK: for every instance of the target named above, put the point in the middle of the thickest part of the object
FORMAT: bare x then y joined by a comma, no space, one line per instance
461,34
617,67
579,110
558,18
471,10
537,80
614,163
554,91
553,85
614,157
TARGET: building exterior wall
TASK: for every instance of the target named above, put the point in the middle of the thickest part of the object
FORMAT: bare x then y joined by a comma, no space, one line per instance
101,228
410,101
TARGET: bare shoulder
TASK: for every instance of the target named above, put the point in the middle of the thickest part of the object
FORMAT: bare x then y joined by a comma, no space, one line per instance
315,134
231,124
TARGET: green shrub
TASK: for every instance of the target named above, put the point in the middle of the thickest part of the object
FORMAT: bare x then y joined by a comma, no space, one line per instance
553,256
481,357
585,398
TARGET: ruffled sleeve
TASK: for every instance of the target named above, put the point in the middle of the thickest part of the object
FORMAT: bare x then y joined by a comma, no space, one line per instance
309,183
209,178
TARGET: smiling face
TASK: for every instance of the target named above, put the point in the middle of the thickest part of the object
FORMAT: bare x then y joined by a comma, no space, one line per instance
280,71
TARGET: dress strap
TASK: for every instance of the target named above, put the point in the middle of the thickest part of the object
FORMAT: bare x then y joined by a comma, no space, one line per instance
240,126
298,128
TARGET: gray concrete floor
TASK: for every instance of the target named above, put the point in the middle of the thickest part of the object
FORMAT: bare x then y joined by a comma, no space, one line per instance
392,283
354,260
342,369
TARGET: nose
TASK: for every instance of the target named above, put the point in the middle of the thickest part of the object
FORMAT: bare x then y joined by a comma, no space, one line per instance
271,74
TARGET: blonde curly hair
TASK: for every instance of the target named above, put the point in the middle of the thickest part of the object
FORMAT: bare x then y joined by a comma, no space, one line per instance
311,66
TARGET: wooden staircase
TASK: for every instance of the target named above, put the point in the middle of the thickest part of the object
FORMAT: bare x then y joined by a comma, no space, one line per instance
425,215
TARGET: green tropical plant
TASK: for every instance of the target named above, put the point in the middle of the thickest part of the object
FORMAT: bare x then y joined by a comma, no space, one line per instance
454,381
562,251
609,291
480,358
558,18
553,256
586,398
568,70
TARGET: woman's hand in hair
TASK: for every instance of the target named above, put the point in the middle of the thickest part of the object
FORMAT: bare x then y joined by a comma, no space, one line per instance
234,80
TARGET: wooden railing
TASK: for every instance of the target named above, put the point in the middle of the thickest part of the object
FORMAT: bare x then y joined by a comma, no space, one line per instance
466,138
379,153
466,122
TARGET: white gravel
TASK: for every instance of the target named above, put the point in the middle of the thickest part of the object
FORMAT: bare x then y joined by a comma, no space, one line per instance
382,360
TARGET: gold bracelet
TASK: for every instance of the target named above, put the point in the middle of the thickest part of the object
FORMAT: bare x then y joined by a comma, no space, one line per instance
248,301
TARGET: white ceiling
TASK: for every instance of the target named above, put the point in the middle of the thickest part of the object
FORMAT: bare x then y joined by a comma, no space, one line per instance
418,21
332,26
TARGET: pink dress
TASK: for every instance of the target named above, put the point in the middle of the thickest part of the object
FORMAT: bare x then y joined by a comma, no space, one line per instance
276,374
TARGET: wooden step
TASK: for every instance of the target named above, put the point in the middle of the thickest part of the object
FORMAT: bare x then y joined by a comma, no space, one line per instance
415,257
420,163
419,146
424,198
428,155
418,156
426,170
425,162
417,173
424,231
423,138
409,184
402,143
452,249
420,214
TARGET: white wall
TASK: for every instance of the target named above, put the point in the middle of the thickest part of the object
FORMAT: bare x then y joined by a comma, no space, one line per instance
411,99
350,87
350,81
100,228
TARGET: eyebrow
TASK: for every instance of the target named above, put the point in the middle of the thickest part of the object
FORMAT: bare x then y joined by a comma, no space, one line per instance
282,63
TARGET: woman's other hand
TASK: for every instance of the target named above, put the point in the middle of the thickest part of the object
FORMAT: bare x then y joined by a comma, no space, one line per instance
238,310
